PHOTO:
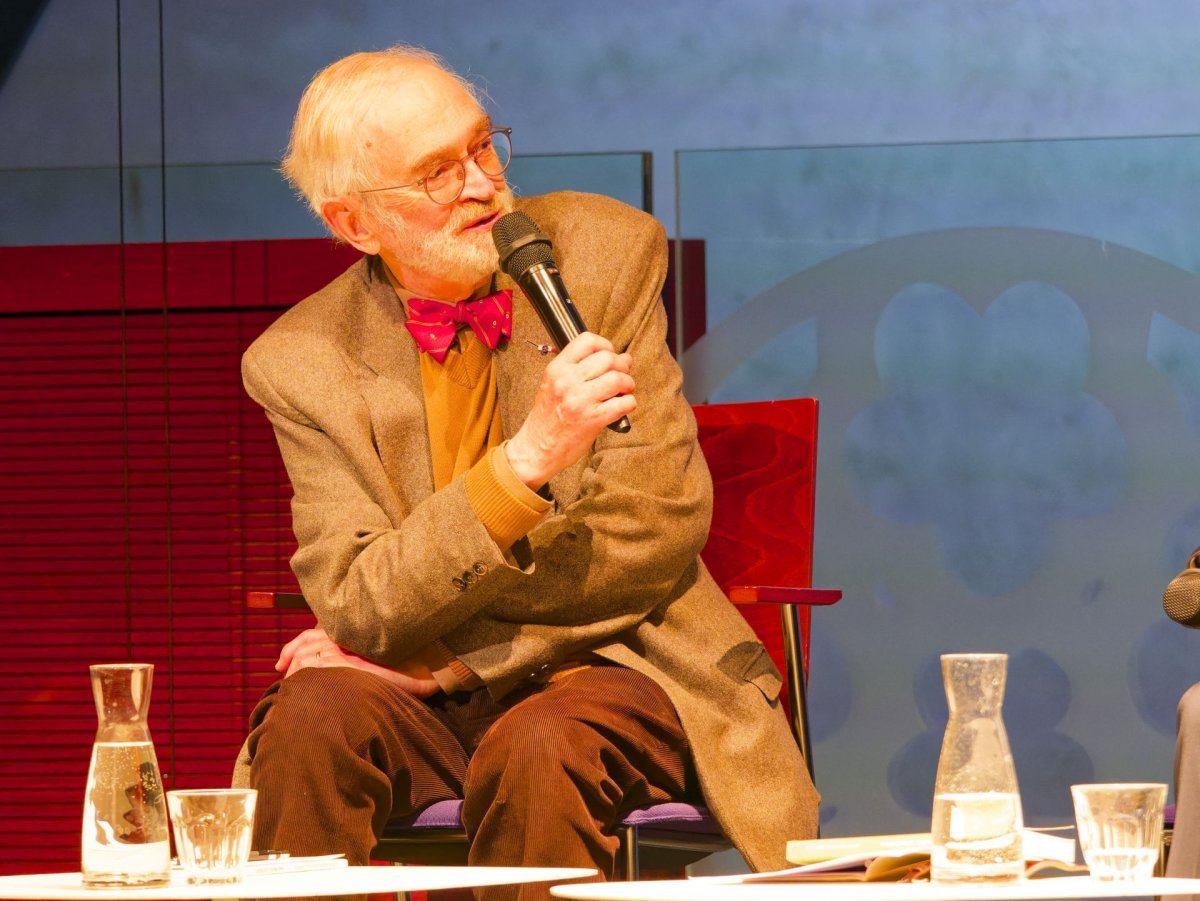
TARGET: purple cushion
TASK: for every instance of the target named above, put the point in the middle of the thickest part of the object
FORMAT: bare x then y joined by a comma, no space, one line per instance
439,815
672,817
1169,816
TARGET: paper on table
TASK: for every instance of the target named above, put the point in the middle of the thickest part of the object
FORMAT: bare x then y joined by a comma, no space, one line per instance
288,864
887,858
1038,845
857,849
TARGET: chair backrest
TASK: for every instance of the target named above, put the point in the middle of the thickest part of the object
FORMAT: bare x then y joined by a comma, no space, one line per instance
762,456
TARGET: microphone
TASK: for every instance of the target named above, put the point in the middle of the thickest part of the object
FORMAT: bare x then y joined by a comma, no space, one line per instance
1181,600
525,258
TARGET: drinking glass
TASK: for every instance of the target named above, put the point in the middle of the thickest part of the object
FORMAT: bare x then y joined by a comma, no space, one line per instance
212,831
1120,827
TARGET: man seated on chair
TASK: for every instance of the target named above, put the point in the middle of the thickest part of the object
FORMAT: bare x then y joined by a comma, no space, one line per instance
510,602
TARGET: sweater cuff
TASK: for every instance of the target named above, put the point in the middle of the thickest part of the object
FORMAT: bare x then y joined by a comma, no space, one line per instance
505,505
450,673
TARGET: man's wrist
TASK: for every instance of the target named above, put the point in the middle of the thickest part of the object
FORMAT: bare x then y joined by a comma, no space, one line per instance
523,463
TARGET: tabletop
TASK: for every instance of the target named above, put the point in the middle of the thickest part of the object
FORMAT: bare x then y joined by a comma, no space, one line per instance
721,889
307,883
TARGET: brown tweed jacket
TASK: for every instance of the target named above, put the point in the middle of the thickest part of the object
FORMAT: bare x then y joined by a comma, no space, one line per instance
613,567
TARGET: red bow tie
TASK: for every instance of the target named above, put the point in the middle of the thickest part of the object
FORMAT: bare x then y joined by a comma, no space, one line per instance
434,324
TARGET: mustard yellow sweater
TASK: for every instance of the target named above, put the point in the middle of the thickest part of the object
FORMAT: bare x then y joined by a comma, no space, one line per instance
466,438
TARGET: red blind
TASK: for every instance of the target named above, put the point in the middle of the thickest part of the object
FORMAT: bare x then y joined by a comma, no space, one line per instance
141,496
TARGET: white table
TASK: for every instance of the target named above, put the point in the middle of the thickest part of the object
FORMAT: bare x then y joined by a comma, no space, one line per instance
307,883
1024,890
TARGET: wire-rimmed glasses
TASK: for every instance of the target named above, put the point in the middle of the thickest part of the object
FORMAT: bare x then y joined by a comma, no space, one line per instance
445,181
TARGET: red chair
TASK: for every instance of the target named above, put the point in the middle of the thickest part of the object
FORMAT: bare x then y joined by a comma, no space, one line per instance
762,456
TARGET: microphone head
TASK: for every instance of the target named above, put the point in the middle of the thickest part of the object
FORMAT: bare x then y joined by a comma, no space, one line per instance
520,243
1181,600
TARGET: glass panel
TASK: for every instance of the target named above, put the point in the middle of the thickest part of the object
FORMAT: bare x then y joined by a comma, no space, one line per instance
141,490
1005,340
210,203
63,474
240,202
619,175
236,202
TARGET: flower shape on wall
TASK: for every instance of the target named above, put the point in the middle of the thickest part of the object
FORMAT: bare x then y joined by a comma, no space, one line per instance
987,433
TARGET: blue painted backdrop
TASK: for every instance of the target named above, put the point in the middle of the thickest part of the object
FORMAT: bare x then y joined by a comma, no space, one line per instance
1005,337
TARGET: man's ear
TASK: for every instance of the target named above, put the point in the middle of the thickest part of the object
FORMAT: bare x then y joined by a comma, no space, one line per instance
348,224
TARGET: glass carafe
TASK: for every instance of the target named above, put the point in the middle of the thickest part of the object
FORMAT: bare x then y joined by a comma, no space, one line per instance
124,813
976,805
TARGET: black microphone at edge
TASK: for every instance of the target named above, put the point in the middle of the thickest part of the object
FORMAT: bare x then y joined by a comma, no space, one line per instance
1181,599
525,257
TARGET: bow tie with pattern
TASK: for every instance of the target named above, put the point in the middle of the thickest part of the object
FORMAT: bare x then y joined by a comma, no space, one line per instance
434,324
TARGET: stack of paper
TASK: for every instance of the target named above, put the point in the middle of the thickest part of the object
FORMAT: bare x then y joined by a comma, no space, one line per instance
283,862
892,858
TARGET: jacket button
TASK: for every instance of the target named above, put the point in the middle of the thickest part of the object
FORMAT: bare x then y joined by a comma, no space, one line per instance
480,568
470,578
459,584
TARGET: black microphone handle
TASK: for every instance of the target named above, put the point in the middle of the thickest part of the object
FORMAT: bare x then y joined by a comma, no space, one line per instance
544,287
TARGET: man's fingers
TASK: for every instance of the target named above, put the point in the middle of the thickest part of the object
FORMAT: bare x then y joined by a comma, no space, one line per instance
615,407
609,385
583,345
597,364
297,647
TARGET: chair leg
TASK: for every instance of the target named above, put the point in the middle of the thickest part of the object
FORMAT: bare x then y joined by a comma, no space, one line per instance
789,615
628,868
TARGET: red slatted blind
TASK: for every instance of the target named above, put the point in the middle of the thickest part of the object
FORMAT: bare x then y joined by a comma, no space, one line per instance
141,496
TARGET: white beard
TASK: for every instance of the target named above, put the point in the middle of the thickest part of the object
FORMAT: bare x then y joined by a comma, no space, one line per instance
447,254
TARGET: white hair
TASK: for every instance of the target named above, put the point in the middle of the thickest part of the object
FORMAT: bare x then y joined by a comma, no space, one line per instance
328,154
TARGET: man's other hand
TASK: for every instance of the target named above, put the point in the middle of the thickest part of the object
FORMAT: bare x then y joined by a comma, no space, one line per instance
586,386
313,647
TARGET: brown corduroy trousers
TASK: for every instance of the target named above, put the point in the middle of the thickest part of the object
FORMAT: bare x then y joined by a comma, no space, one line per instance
545,771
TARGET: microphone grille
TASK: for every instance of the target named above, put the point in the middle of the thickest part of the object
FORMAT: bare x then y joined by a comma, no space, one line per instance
520,244
524,257
511,226
1181,600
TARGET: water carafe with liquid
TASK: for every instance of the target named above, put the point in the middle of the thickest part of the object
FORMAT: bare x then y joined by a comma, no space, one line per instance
976,805
124,835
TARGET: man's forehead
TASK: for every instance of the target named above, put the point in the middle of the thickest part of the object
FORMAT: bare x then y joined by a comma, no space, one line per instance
428,116
448,142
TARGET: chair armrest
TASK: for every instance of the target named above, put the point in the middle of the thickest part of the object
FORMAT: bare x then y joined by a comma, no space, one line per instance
276,600
782,594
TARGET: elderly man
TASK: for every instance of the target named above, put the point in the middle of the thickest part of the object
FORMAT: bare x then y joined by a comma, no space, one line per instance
511,605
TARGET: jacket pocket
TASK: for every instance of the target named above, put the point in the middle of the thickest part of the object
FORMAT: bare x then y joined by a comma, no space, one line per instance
753,664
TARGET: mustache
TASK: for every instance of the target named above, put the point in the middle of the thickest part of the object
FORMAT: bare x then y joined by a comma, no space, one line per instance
473,212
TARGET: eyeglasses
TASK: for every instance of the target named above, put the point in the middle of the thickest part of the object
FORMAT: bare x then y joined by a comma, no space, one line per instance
445,181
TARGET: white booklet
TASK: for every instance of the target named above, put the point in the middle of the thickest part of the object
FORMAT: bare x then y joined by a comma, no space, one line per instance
891,858
282,862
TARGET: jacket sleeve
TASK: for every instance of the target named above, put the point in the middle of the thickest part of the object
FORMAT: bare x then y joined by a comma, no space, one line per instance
384,575
627,542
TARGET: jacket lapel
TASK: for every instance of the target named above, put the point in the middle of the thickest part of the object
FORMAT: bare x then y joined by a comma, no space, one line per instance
391,388
391,380
519,364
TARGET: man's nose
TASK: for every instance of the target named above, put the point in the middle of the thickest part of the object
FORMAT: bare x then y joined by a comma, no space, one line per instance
478,185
